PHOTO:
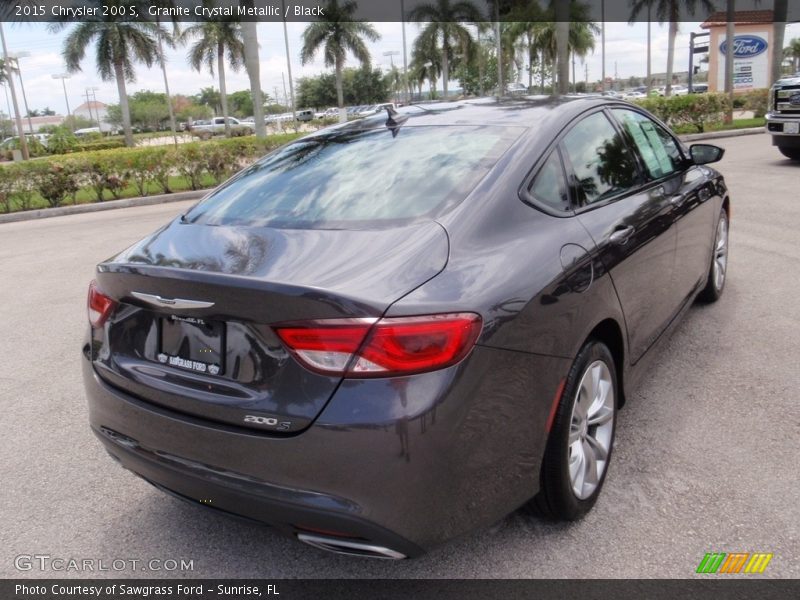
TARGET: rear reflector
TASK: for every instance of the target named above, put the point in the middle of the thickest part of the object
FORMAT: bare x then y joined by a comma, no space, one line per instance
100,306
391,346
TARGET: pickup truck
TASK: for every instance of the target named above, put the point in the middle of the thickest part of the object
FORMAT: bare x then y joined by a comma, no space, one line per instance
783,116
207,129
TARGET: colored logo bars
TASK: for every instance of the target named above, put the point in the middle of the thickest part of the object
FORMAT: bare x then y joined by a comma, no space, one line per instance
734,562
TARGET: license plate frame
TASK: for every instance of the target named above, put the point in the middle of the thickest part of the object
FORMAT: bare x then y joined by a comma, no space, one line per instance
192,344
791,128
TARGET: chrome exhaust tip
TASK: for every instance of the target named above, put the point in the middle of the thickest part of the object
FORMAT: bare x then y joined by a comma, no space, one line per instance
349,547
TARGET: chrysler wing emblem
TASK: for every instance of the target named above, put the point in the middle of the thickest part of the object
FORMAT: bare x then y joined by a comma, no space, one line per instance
179,303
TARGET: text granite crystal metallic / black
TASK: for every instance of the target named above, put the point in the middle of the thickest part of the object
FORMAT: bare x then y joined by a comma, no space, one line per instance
397,330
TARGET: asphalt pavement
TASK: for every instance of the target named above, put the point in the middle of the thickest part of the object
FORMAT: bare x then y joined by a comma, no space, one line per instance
706,455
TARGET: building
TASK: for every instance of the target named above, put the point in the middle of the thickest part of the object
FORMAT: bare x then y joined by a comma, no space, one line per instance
752,52
94,111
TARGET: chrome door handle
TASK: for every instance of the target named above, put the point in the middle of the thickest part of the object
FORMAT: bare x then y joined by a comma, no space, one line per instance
621,236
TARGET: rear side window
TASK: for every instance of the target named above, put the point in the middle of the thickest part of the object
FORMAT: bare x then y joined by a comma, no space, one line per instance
358,178
660,154
549,187
602,164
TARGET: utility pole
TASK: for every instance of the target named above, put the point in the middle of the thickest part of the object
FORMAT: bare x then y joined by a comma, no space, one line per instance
649,73
63,77
288,66
23,143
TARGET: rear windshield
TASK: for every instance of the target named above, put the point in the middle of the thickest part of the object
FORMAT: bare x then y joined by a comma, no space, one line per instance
347,179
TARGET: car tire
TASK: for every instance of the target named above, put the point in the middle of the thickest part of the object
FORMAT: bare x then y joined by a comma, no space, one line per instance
718,271
792,153
582,431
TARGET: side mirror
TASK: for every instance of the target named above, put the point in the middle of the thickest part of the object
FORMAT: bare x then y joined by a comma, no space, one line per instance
703,154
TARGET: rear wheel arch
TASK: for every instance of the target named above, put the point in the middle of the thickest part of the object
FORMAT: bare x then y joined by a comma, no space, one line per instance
609,333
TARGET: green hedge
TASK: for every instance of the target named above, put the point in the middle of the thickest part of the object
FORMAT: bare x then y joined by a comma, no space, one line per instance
697,110
94,176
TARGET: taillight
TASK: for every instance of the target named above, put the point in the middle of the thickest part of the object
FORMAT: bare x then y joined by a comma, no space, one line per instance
100,306
390,346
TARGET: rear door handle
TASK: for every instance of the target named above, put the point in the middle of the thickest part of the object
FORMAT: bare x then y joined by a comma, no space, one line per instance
622,235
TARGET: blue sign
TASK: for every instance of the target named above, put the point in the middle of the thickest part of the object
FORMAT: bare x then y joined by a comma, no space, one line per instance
745,46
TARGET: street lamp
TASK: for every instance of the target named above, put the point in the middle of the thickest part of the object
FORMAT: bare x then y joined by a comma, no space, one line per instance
63,77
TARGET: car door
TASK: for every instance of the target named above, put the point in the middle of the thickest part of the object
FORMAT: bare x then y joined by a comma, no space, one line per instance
689,190
630,223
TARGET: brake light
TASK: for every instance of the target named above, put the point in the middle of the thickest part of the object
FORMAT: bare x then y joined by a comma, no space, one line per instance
100,306
391,346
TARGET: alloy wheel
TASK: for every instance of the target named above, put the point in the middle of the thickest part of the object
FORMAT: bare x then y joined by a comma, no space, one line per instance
591,429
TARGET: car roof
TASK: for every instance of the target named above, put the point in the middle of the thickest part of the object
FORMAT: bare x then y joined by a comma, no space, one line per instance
527,112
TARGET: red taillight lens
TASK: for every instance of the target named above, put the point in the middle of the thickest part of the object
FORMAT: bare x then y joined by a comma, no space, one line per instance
100,306
392,346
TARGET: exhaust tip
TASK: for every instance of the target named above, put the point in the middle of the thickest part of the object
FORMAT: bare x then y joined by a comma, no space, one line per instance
349,547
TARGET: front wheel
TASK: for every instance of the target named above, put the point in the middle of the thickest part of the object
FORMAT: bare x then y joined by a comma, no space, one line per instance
717,273
579,447
793,153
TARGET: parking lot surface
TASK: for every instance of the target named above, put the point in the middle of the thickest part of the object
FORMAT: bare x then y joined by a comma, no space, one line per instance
705,457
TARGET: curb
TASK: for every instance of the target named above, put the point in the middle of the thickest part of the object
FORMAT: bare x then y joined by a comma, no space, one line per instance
712,135
60,211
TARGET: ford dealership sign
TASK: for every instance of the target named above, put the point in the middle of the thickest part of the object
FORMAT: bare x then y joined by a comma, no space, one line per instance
745,46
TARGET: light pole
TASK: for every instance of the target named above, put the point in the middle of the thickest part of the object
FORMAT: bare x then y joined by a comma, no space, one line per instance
63,77
288,66
23,143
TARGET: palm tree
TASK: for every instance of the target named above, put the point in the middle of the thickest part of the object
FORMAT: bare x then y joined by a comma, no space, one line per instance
580,37
669,11
792,51
215,39
119,45
445,20
426,62
339,34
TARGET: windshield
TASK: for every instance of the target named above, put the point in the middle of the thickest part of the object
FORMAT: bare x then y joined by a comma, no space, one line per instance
347,179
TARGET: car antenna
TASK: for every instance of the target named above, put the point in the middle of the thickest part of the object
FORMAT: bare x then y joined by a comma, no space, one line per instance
395,120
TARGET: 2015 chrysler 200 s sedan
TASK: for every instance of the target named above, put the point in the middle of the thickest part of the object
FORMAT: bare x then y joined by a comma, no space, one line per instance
396,330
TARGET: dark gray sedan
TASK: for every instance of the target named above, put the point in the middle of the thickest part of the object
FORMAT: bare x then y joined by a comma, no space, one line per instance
396,330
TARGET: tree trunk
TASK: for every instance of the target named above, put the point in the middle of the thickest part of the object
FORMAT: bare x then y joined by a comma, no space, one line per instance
340,91
223,91
543,66
172,124
673,33
730,36
445,67
780,8
250,34
531,55
119,75
562,47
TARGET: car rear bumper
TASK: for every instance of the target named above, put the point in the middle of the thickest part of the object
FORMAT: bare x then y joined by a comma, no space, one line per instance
402,464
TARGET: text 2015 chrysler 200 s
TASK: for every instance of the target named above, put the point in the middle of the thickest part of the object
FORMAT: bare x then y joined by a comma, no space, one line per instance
396,330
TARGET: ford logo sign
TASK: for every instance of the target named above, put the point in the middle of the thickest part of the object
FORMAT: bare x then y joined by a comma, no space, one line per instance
745,46
794,99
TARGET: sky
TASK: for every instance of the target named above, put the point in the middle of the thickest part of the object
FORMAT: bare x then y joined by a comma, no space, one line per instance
626,51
